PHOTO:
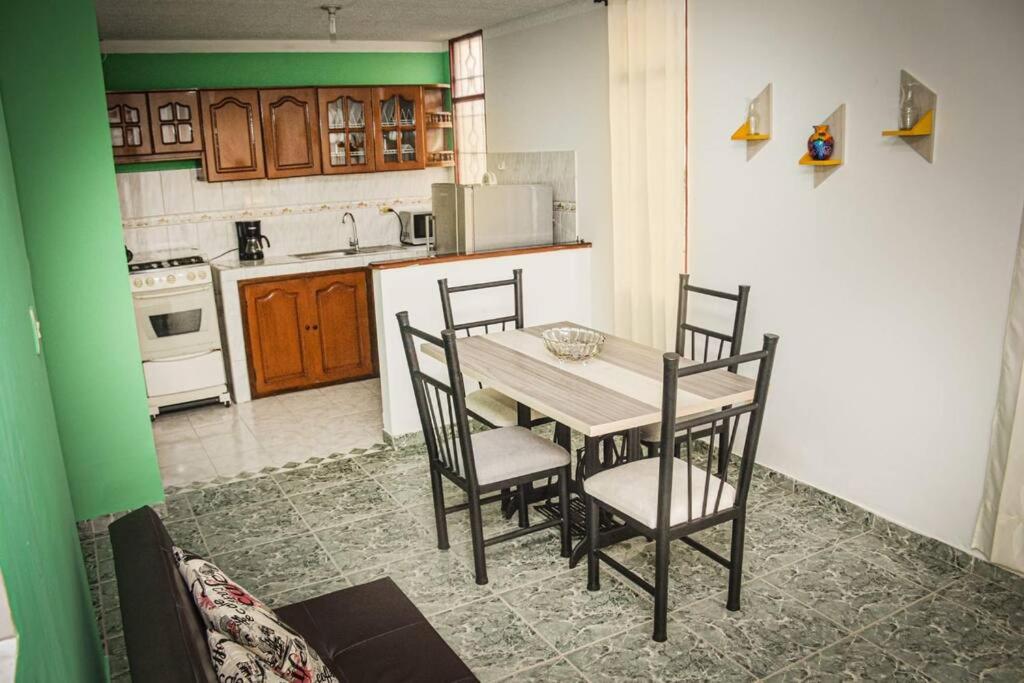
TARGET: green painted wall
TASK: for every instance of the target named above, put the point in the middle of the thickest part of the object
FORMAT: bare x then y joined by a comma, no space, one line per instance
265,69
52,86
39,553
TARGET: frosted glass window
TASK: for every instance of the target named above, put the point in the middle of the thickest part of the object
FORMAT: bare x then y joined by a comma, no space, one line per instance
469,110
468,65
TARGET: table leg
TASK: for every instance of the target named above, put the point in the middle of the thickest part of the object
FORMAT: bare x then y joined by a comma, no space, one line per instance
591,445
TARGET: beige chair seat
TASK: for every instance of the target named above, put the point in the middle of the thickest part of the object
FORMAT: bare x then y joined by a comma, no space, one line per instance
632,489
495,407
510,452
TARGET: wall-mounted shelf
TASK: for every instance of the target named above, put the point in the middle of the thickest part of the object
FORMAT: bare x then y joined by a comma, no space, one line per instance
922,127
921,137
762,105
836,123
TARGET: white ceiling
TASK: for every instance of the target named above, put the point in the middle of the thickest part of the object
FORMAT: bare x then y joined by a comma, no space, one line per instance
377,20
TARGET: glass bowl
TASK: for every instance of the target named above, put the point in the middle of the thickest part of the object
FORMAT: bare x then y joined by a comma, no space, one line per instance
573,343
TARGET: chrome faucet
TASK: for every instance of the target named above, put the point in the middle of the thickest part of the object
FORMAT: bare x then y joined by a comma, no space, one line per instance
353,241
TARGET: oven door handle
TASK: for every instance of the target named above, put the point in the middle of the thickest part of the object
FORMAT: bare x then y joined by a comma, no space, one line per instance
192,289
187,356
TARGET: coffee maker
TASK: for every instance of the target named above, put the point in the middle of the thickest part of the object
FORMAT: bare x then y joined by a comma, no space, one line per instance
250,240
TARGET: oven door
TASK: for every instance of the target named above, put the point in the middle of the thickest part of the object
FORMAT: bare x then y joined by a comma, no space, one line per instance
176,322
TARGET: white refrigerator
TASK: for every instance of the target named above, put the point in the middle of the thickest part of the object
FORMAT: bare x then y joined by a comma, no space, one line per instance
471,218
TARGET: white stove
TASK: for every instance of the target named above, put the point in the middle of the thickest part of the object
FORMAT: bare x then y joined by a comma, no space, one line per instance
179,334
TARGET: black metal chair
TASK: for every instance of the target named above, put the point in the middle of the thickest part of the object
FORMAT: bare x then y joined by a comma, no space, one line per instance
702,343
488,406
670,497
485,462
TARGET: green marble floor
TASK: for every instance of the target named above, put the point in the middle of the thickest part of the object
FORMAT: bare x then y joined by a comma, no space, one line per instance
831,594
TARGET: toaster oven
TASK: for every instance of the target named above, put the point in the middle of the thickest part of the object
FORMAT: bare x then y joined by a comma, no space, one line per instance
417,227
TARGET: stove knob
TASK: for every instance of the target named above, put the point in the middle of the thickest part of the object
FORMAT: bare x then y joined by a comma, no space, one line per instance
170,279
149,282
191,275
137,282
202,275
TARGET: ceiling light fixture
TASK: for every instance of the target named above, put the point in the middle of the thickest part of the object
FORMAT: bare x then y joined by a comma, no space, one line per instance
332,20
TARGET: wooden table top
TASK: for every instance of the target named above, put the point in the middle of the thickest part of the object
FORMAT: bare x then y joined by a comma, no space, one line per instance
618,390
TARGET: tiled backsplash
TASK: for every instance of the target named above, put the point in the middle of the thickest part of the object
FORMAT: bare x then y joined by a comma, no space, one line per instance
174,209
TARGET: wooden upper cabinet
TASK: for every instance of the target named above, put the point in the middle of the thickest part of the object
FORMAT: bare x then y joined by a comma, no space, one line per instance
346,129
291,132
128,116
233,148
174,121
345,340
399,139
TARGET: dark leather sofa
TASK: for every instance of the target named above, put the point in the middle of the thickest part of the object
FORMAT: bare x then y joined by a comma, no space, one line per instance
370,632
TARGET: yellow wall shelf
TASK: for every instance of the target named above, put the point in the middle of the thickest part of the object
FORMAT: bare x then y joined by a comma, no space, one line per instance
922,127
806,160
762,106
920,138
743,133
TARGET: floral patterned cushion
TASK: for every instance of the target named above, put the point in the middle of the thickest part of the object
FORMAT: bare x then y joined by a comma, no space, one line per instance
237,664
231,611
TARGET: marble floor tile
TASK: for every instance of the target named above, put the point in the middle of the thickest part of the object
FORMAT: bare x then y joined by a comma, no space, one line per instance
226,496
820,515
494,522
568,616
183,474
635,656
853,659
435,580
176,506
249,525
280,566
950,642
389,460
305,479
185,534
692,576
412,486
375,541
1004,606
341,503
558,671
846,588
521,561
313,590
920,567
770,630
491,639
117,655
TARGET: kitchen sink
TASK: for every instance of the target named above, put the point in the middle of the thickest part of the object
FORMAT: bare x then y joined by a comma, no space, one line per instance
336,253
329,253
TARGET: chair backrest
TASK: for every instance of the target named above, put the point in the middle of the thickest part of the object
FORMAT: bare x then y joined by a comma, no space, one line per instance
678,443
485,324
705,344
441,406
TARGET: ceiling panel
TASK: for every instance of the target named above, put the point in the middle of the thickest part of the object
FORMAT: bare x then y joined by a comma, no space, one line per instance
418,20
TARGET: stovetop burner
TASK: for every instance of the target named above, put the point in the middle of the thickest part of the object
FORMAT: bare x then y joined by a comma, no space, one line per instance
166,260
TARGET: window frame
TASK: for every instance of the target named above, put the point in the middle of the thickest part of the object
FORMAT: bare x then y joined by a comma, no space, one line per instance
482,95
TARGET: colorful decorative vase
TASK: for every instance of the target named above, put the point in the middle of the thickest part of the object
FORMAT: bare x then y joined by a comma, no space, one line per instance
820,144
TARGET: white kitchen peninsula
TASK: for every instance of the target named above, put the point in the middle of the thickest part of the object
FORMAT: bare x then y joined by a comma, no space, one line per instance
556,286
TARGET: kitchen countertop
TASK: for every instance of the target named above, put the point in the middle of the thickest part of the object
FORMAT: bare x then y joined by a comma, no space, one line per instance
400,261
229,268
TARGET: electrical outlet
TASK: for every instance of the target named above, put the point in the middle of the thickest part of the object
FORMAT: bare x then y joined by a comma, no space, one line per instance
384,209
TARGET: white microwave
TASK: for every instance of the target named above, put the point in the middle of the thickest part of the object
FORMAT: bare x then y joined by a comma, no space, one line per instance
417,227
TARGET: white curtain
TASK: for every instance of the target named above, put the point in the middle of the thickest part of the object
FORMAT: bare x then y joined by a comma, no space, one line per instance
647,88
999,533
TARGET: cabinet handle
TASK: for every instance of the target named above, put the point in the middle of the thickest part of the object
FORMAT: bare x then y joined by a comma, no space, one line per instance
316,327
307,328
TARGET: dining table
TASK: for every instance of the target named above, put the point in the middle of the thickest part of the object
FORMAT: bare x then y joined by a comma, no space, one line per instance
616,392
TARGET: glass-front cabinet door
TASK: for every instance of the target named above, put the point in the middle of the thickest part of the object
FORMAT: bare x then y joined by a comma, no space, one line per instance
174,120
399,141
128,117
346,130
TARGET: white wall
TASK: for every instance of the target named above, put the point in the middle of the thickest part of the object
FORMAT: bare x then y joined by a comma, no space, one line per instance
414,289
547,89
889,283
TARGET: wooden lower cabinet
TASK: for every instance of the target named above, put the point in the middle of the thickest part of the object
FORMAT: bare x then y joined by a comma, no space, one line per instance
303,331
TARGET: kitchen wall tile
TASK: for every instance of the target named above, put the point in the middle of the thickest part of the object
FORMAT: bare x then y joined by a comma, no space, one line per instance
124,195
176,187
148,240
206,196
149,198
215,237
182,236
237,194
